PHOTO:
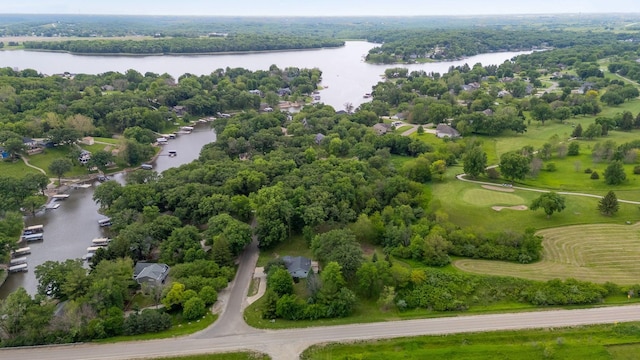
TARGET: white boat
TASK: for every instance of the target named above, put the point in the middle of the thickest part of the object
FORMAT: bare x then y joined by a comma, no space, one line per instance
33,237
92,249
104,222
18,261
52,206
33,229
161,141
100,241
21,251
173,153
18,268
61,196
88,256
187,128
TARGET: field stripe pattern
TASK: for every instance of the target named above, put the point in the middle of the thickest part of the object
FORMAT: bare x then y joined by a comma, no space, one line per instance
594,252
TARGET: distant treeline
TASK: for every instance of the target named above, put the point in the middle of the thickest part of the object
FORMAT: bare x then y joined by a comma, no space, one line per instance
407,45
186,45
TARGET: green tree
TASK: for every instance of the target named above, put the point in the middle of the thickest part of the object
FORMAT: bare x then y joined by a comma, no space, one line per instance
59,167
609,205
107,193
574,149
550,202
338,246
174,297
52,275
475,162
280,281
15,147
194,308
514,166
101,159
439,167
33,203
577,131
614,173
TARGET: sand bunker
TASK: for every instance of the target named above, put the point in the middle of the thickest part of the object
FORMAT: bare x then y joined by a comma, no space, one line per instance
517,207
498,188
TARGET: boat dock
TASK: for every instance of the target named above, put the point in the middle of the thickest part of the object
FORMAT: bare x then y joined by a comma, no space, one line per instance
60,197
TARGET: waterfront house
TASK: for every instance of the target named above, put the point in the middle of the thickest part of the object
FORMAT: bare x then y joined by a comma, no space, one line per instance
152,273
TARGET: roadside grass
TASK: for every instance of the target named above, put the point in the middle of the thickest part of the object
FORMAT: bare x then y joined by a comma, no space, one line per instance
592,252
464,210
17,169
180,327
253,287
221,356
402,129
615,341
294,246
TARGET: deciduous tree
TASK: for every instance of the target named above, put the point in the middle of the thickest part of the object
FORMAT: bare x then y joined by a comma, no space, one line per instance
550,202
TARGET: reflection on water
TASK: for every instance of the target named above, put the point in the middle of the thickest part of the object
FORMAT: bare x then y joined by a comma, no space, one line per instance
68,230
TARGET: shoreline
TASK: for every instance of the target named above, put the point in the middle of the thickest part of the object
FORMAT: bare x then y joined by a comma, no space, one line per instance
458,58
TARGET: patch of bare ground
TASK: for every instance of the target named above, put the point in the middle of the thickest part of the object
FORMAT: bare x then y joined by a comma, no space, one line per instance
517,207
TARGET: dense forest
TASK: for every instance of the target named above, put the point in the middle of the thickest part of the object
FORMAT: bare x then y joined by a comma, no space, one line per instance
417,45
230,43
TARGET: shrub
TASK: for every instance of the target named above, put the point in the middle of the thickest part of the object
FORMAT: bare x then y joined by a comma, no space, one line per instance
194,308
147,321
493,173
588,171
595,176
551,167
636,169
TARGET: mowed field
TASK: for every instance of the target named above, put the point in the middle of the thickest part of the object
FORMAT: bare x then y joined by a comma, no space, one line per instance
593,252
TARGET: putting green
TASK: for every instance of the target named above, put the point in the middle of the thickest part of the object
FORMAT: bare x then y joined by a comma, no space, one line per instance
482,197
594,252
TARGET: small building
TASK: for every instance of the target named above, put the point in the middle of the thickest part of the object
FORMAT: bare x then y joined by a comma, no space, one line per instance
444,130
284,91
107,88
319,137
381,128
297,266
87,140
29,142
256,92
179,110
4,154
84,157
152,273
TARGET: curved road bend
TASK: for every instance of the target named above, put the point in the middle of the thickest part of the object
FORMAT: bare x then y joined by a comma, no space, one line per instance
287,344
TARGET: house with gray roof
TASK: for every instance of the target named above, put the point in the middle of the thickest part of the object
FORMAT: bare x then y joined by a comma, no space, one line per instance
150,273
381,128
297,266
444,130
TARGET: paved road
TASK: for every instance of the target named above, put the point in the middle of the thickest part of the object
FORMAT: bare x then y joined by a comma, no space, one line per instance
287,344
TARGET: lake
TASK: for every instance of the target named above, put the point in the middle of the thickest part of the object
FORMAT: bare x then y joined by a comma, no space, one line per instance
346,76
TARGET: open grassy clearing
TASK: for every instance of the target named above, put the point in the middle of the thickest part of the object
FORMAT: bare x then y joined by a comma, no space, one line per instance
16,169
482,197
616,341
44,159
593,252
295,246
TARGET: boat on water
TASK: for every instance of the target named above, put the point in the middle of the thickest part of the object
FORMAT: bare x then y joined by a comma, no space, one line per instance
34,229
104,222
33,237
18,268
18,261
58,197
21,252
93,249
101,241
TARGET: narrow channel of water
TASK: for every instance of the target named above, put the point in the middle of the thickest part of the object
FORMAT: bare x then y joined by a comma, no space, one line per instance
68,230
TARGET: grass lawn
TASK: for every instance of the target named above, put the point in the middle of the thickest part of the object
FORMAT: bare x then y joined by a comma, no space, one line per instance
402,129
468,204
222,356
616,341
295,246
46,158
592,252
16,169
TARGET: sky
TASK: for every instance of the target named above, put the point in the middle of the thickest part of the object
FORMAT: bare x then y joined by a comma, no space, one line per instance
318,7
